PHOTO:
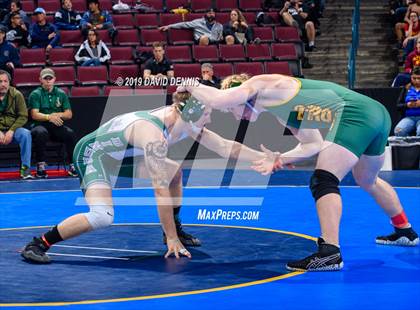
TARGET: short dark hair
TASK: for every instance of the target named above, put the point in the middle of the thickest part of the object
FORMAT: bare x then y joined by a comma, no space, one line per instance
92,1
14,14
158,44
416,71
3,72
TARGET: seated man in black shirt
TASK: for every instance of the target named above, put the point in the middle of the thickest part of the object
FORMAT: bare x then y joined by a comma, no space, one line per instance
158,66
207,76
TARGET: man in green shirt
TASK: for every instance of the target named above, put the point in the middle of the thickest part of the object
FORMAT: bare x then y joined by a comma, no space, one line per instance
13,115
50,107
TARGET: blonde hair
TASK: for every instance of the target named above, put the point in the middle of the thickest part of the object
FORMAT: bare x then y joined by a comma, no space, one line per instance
231,80
178,99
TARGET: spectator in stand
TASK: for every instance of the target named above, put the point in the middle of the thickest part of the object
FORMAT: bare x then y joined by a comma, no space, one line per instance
237,31
206,30
4,8
13,115
9,55
412,60
16,7
98,19
207,76
50,108
295,14
93,52
17,33
411,121
43,34
408,31
66,18
159,66
398,9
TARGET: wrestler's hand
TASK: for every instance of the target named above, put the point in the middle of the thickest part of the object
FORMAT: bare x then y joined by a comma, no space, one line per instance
175,247
270,163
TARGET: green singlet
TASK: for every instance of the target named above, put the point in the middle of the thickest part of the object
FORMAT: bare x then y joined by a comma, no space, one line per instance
355,121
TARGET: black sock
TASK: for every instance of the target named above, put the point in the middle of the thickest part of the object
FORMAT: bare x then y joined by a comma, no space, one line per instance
51,237
176,214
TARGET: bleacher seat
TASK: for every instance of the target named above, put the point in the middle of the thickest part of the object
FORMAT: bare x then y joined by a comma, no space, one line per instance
223,17
258,52
264,33
290,35
201,5
222,70
87,91
92,75
205,53
251,68
61,57
174,4
32,57
50,6
121,71
123,21
170,18
26,77
148,36
156,6
250,5
106,5
275,16
180,36
28,6
79,6
234,52
121,55
287,52
187,70
128,37
65,75
277,67
226,5
180,53
192,16
66,90
249,17
71,38
104,36
144,21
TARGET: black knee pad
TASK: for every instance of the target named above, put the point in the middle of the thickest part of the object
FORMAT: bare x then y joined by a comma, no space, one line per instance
323,183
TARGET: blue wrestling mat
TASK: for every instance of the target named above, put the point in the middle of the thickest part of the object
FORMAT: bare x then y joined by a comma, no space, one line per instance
248,235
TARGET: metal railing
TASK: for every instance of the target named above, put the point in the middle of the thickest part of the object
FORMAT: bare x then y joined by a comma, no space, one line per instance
351,67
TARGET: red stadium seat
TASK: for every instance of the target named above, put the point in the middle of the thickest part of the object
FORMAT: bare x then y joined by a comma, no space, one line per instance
104,36
71,38
201,5
180,36
223,69
223,17
118,91
174,4
249,17
26,77
88,91
250,5
264,33
121,55
226,5
79,6
192,16
278,67
275,16
28,6
251,68
258,52
181,53
66,90
147,21
187,70
50,6
92,75
128,37
234,52
119,71
32,57
123,21
205,53
148,36
287,52
290,35
169,18
65,75
156,6
61,56
106,5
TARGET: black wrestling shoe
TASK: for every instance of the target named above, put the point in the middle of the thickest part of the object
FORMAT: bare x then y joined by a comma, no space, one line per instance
401,236
328,258
185,238
35,252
